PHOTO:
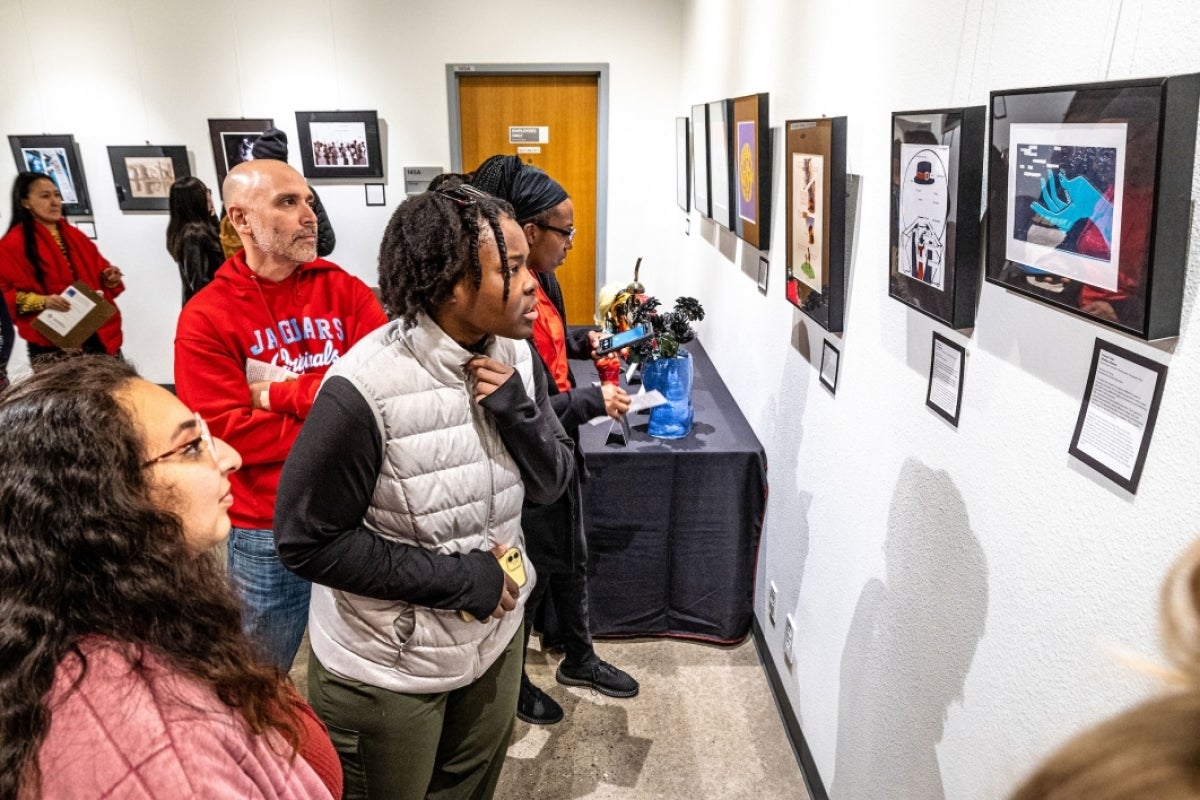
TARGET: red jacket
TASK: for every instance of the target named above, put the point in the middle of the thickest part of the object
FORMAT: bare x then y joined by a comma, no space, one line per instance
16,274
304,323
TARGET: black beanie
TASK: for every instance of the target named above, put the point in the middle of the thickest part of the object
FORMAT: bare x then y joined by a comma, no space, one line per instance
272,143
529,189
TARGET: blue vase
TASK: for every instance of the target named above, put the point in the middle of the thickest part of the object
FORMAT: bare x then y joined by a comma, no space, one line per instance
673,378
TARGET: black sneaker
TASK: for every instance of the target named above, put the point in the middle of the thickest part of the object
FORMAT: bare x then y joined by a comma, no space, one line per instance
599,675
535,706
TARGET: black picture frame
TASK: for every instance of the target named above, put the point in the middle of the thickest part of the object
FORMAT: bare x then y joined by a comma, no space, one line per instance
1115,354
831,361
720,165
751,138
340,144
700,183
1116,255
378,189
764,268
683,165
231,142
57,157
936,222
142,175
815,170
87,228
961,353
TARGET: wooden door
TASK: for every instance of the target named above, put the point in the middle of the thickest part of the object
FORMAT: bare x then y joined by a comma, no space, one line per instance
568,106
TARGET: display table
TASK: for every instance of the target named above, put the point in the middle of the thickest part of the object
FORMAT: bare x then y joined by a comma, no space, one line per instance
673,525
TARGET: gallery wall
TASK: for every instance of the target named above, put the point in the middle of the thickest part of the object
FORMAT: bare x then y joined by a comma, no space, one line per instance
964,599
128,72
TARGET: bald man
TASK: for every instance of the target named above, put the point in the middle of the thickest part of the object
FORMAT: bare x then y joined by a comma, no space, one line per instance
250,351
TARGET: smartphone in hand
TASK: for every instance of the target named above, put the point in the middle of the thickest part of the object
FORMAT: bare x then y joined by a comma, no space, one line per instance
617,341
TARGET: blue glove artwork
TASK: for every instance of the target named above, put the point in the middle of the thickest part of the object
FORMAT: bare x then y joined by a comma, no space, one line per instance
1083,202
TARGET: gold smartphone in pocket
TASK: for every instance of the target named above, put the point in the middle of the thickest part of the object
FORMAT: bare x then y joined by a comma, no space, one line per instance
512,563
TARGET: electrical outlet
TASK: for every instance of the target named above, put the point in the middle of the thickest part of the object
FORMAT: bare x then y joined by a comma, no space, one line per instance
771,593
789,639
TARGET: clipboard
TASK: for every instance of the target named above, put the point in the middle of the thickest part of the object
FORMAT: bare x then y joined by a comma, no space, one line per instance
74,337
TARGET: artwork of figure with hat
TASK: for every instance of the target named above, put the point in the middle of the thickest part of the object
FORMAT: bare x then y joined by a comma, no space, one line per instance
924,211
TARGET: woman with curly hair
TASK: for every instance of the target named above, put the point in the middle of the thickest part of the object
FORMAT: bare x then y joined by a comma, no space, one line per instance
401,501
123,667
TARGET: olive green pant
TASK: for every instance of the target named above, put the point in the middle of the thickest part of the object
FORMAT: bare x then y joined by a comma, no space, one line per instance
448,746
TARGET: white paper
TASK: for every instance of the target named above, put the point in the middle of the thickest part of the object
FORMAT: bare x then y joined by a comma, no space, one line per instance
924,209
61,322
1117,413
262,371
639,402
945,372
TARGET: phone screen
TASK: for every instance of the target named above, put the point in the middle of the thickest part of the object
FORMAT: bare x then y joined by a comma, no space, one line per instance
623,339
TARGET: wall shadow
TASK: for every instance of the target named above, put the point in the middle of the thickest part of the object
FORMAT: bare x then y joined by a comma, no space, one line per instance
910,644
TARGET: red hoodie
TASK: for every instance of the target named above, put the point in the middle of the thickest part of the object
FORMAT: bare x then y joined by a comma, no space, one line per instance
305,323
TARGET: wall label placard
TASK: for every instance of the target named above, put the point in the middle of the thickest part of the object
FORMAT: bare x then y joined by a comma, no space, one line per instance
946,378
416,179
529,134
830,360
1118,413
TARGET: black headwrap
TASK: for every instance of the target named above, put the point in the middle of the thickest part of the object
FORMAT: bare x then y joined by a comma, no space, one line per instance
530,190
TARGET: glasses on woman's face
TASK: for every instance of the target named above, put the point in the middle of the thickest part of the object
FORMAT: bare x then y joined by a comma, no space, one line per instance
191,448
567,232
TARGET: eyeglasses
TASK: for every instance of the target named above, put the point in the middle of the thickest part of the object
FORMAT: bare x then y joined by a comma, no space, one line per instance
205,439
567,232
464,194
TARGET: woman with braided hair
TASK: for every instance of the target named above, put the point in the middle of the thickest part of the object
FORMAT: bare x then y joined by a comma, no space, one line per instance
401,502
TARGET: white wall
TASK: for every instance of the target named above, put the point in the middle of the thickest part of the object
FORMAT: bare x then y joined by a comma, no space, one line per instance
124,72
960,595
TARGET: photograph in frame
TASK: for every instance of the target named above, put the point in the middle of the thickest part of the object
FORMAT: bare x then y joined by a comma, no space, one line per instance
340,144
815,213
232,140
683,172
700,190
937,174
142,175
1089,198
720,183
752,167
56,157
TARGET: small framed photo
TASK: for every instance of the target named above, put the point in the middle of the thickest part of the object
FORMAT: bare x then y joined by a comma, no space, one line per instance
87,228
830,361
763,269
143,175
232,140
937,187
946,364
1089,198
1118,413
340,144
815,170
376,195
57,158
752,167
683,172
700,159
720,164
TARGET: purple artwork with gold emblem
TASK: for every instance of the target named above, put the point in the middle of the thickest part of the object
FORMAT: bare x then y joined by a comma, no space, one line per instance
747,170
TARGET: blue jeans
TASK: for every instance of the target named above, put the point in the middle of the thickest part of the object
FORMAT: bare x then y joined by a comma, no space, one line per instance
274,601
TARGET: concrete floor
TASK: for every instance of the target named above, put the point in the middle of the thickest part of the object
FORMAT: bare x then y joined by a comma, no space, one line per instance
703,726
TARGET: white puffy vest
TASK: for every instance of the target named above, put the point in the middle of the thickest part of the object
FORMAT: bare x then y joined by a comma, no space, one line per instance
448,484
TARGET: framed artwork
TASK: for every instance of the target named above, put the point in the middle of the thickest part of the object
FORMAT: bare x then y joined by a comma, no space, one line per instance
683,171
815,168
1088,195
231,143
700,159
752,165
720,184
937,187
143,175
340,144
1118,413
57,158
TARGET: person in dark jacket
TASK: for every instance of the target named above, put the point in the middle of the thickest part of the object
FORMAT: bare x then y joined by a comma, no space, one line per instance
192,235
555,533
